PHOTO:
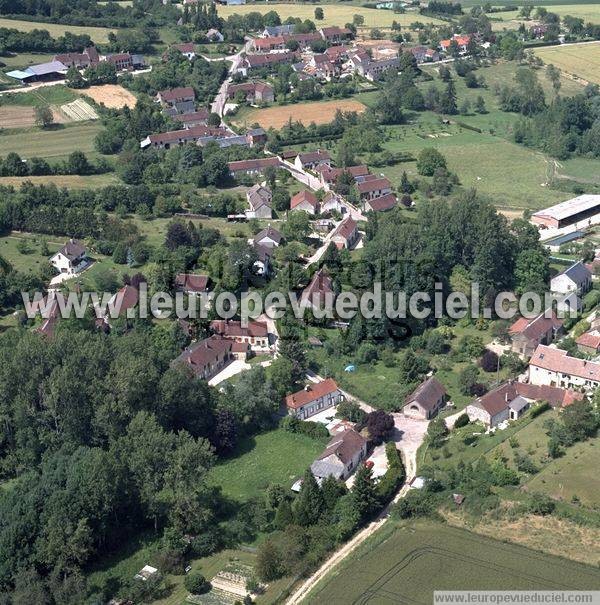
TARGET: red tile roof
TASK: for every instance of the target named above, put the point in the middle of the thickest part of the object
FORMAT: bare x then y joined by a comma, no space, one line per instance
254,329
590,340
376,184
346,228
189,282
384,202
557,360
258,164
201,354
314,156
537,327
310,393
177,93
303,196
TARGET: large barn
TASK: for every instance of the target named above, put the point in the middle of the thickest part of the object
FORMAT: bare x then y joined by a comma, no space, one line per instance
571,212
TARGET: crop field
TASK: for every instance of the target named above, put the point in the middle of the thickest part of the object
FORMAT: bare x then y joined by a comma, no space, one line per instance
112,96
98,34
13,116
579,60
51,143
45,95
319,113
334,14
407,563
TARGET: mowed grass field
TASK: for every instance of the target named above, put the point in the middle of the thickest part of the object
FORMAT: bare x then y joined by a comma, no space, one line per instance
319,113
277,456
32,260
98,34
334,14
581,60
54,143
407,563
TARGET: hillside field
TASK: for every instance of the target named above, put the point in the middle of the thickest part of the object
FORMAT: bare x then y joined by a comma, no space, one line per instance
404,564
53,143
334,14
580,60
98,34
317,112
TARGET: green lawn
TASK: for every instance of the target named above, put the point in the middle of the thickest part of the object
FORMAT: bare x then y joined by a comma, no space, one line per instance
22,60
273,457
32,260
55,143
406,563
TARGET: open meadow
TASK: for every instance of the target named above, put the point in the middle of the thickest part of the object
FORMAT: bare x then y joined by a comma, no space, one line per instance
71,181
53,143
98,34
319,113
27,256
578,60
406,563
335,14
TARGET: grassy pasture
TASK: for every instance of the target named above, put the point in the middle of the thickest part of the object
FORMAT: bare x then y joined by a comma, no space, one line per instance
318,112
53,143
334,14
402,564
32,261
49,95
575,474
580,60
98,34
273,457
92,181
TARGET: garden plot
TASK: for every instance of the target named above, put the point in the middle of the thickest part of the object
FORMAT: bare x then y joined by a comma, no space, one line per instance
79,111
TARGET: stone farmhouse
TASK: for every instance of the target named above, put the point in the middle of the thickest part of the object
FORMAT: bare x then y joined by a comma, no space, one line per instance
426,400
527,334
341,457
255,334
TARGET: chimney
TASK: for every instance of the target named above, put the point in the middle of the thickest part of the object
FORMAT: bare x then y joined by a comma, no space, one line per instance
307,388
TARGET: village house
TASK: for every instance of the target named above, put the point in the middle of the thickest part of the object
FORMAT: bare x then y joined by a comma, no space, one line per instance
589,342
332,202
312,160
251,167
214,35
49,310
262,61
71,258
262,264
259,202
183,100
462,41
125,299
305,200
255,92
426,400
512,399
372,188
187,49
193,134
304,40
319,290
341,457
189,120
423,54
321,66
273,31
313,398
89,57
335,34
268,44
346,234
256,333
206,357
554,367
382,203
572,284
126,62
527,334
269,237
192,283
329,176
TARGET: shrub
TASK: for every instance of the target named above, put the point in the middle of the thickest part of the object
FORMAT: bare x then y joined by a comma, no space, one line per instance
316,430
540,504
489,361
196,583
542,407
461,421
394,476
